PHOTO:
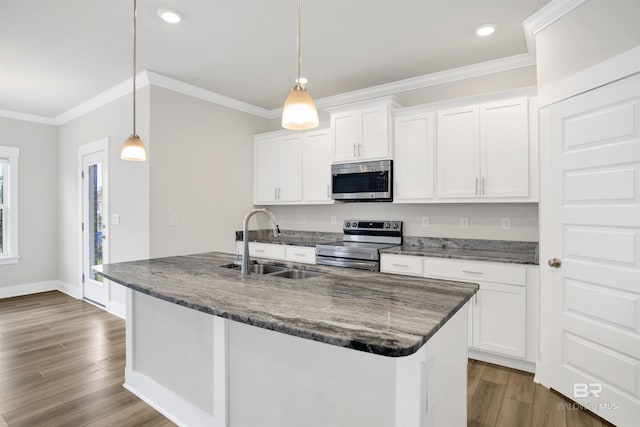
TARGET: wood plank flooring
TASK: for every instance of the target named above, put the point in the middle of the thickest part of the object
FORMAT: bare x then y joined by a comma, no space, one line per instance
504,397
62,364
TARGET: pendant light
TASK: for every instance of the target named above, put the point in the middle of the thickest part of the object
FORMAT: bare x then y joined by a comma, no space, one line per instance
133,148
299,111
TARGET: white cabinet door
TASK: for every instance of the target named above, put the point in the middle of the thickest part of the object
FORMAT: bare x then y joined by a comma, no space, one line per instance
504,147
373,140
499,319
265,171
344,128
290,170
316,170
414,158
458,153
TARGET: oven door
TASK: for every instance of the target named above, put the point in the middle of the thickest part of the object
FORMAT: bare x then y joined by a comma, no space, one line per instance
365,181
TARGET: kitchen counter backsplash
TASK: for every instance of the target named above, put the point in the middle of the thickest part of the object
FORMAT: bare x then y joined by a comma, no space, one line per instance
507,251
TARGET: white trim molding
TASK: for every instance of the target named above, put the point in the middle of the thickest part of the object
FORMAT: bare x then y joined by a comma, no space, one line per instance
547,15
30,288
28,117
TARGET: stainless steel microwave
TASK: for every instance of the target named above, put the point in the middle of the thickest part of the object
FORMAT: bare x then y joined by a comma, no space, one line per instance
363,181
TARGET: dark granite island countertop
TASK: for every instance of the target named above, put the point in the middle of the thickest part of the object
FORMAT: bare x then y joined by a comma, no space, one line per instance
378,313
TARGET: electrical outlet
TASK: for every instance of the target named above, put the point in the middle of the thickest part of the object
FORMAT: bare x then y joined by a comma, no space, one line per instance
115,219
303,219
506,224
425,221
173,220
334,219
464,222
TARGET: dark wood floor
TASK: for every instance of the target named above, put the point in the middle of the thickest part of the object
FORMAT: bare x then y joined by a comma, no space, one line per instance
62,364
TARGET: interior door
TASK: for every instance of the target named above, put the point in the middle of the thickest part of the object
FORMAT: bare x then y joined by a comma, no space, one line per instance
94,225
590,218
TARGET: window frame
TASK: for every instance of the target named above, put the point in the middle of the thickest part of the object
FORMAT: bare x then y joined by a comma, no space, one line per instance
10,207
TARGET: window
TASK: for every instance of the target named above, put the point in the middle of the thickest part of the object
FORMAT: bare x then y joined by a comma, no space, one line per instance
8,205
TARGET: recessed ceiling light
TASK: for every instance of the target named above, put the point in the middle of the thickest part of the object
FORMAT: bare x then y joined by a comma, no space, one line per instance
169,15
486,29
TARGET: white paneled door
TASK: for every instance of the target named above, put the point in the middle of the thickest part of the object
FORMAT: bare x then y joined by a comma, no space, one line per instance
590,224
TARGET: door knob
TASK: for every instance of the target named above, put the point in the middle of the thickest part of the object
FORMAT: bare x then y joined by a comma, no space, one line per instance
554,262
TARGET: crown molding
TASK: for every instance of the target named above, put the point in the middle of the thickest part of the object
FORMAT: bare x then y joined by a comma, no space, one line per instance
28,117
548,14
206,95
544,17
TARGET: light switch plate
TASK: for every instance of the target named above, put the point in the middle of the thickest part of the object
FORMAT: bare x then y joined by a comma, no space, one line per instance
425,221
506,223
173,220
115,219
334,219
464,222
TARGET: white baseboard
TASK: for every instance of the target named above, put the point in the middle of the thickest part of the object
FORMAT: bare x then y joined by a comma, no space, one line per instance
29,288
72,291
509,362
169,404
117,309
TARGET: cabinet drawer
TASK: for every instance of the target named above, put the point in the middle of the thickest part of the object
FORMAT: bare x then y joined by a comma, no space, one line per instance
401,264
475,271
304,254
265,250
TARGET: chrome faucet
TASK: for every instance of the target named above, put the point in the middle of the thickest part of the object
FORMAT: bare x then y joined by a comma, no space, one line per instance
244,270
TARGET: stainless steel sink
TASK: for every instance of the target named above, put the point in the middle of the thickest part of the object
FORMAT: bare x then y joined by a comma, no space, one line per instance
276,271
296,274
258,268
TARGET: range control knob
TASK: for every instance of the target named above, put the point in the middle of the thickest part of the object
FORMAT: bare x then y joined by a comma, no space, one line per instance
354,224
347,224
395,225
387,225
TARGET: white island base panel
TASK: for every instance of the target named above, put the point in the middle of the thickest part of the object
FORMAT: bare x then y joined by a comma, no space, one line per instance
203,370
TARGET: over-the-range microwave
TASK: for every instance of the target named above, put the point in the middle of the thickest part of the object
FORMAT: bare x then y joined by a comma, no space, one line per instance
363,181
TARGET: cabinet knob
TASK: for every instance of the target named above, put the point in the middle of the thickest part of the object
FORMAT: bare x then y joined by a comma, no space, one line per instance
554,262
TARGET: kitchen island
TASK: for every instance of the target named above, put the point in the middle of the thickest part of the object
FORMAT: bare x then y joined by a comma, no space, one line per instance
206,346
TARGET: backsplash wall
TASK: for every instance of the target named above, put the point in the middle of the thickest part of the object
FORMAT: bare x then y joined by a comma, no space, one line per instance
485,220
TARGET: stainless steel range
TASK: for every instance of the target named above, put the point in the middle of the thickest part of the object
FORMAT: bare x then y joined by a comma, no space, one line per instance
360,246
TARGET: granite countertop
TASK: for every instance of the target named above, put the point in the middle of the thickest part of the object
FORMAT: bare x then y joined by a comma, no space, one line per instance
378,313
505,251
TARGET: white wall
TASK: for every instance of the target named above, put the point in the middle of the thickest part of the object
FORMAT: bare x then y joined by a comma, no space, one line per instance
444,220
128,188
593,32
201,171
37,201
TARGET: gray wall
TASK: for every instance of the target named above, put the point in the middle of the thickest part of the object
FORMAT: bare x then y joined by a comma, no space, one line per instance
128,187
444,220
201,171
593,32
37,201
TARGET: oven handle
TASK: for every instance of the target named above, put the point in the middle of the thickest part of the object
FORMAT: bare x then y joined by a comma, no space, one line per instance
343,262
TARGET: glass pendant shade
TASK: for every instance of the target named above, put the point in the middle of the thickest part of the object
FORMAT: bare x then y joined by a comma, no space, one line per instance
299,111
133,149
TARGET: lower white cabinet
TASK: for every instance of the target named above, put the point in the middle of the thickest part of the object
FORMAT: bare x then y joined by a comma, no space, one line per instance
502,315
302,254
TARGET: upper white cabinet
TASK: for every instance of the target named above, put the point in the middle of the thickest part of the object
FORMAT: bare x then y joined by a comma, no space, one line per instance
316,171
484,151
414,158
278,170
362,134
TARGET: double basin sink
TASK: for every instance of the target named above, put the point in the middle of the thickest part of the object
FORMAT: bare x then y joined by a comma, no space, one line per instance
276,271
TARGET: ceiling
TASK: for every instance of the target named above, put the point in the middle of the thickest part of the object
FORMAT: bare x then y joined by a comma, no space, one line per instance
55,54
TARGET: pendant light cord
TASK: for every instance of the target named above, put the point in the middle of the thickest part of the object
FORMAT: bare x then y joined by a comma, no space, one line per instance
135,15
298,44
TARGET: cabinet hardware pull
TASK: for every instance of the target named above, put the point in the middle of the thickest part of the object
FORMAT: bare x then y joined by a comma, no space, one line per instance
401,265
299,254
328,192
278,193
483,192
476,186
259,250
275,193
354,150
472,272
